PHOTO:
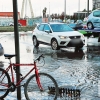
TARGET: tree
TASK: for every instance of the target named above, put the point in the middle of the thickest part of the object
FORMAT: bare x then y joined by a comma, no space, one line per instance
84,10
62,16
56,16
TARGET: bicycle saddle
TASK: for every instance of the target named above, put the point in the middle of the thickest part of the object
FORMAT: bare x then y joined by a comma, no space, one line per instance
8,56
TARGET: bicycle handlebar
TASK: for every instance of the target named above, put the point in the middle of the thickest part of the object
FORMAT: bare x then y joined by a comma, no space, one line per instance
39,57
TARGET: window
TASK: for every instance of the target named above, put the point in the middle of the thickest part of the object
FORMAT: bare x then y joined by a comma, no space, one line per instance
60,27
96,14
46,27
40,27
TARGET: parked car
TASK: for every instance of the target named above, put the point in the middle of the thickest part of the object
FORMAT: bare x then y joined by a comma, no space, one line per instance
79,22
93,20
70,21
1,50
12,24
76,26
57,35
85,19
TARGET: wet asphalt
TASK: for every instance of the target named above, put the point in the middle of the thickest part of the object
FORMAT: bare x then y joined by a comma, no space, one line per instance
79,69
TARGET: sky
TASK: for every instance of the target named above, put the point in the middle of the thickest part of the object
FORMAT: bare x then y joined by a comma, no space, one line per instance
53,6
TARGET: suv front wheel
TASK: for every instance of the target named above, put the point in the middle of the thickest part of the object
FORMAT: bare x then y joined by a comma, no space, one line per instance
35,42
54,44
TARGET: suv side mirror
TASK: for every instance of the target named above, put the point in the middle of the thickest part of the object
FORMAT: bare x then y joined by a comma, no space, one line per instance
48,31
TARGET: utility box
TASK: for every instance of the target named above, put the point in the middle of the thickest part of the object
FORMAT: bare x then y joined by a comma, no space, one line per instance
23,22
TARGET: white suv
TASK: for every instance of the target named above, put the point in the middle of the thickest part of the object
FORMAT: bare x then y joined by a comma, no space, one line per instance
93,20
58,35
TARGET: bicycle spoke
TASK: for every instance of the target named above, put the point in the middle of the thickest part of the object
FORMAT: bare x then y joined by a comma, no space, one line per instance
4,80
32,90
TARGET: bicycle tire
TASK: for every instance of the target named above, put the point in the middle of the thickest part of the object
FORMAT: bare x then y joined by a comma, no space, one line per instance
32,92
5,78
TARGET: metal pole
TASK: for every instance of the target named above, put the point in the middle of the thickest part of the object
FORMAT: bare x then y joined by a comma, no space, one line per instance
88,8
16,35
49,11
79,9
26,9
65,11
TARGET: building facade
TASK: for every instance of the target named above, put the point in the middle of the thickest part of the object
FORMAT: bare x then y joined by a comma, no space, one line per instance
96,4
6,18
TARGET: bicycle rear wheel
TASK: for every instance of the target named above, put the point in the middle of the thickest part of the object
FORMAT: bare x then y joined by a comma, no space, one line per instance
49,85
4,83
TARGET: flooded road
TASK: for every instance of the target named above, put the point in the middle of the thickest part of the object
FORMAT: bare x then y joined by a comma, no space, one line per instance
79,69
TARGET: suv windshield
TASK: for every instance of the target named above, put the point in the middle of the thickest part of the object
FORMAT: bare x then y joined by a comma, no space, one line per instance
60,27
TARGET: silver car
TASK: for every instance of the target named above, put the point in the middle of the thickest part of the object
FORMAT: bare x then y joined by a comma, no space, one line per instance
93,20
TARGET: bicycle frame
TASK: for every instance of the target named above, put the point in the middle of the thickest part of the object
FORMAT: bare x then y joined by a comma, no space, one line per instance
10,67
35,86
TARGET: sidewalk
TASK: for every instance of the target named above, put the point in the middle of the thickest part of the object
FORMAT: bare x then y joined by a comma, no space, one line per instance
6,33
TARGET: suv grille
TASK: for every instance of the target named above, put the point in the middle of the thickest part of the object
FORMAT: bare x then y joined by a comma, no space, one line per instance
74,37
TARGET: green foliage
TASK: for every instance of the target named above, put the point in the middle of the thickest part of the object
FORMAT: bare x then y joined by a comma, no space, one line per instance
11,28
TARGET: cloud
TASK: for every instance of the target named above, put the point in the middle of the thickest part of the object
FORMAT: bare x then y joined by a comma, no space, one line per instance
53,6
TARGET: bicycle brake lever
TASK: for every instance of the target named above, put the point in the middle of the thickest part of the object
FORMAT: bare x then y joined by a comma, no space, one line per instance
40,57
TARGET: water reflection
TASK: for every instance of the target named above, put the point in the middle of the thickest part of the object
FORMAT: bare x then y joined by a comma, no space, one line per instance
74,54
35,50
28,49
83,74
93,53
77,54
93,48
1,64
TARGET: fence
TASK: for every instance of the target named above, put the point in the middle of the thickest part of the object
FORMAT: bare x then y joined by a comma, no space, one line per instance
30,24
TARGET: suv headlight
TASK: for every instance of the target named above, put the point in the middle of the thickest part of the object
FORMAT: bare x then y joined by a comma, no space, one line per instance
63,37
82,36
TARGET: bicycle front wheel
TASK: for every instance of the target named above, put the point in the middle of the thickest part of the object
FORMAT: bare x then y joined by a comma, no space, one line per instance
49,85
4,83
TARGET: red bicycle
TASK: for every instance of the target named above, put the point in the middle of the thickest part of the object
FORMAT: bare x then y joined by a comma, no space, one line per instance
40,86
